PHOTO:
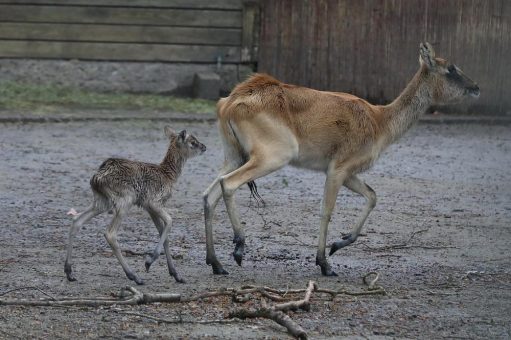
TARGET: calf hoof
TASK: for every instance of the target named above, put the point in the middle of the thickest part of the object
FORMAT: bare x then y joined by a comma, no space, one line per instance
346,240
238,257
328,272
135,278
148,263
179,279
218,270
70,277
69,272
239,249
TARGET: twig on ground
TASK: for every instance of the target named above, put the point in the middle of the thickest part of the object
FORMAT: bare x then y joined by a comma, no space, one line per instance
26,288
269,313
406,245
128,252
430,292
177,320
371,285
301,242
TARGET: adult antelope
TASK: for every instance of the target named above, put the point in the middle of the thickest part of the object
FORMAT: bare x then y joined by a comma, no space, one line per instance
265,125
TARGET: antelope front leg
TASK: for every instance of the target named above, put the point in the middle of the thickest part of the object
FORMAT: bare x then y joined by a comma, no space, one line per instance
356,185
333,183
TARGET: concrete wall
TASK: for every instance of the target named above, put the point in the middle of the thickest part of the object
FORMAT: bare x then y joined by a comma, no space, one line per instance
146,77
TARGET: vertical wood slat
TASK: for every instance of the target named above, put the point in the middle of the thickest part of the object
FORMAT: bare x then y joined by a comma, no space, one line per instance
249,31
370,48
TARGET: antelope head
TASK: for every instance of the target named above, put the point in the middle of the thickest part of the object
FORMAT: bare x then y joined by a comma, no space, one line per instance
449,84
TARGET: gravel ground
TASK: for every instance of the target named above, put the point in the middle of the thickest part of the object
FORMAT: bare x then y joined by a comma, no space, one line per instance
439,237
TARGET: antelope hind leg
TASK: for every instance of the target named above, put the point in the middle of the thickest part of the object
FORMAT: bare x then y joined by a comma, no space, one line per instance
256,167
356,185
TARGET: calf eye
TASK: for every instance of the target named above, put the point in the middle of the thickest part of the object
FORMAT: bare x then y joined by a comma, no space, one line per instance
451,69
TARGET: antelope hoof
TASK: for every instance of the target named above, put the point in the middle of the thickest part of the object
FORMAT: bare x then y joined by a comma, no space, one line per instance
346,240
217,267
325,267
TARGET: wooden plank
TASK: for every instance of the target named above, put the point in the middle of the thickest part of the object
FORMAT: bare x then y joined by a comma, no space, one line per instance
128,16
111,33
197,4
250,30
127,52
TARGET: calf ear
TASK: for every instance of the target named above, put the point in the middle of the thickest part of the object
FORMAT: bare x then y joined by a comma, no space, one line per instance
182,136
427,55
169,132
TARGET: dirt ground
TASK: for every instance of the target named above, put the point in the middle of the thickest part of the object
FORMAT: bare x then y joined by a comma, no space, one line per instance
439,237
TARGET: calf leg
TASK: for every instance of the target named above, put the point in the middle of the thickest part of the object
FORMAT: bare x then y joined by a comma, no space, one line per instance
163,229
356,185
111,237
78,221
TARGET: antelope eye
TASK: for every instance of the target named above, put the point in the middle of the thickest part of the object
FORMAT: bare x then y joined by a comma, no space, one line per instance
451,69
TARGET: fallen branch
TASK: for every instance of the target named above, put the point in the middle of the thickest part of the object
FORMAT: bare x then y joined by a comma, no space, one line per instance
132,296
372,289
301,304
270,313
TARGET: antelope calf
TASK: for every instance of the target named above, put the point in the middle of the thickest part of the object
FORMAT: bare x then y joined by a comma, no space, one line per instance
119,184
265,125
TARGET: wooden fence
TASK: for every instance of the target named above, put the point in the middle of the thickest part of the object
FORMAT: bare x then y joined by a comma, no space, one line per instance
370,47
199,31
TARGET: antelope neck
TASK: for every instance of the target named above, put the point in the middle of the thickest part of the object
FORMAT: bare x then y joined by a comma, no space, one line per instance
406,109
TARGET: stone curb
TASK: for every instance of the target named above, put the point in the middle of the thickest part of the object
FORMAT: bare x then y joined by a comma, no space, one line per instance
113,116
210,117
482,120
56,119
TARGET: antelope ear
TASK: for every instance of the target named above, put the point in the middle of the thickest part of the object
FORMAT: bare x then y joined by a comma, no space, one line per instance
169,132
427,55
182,136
